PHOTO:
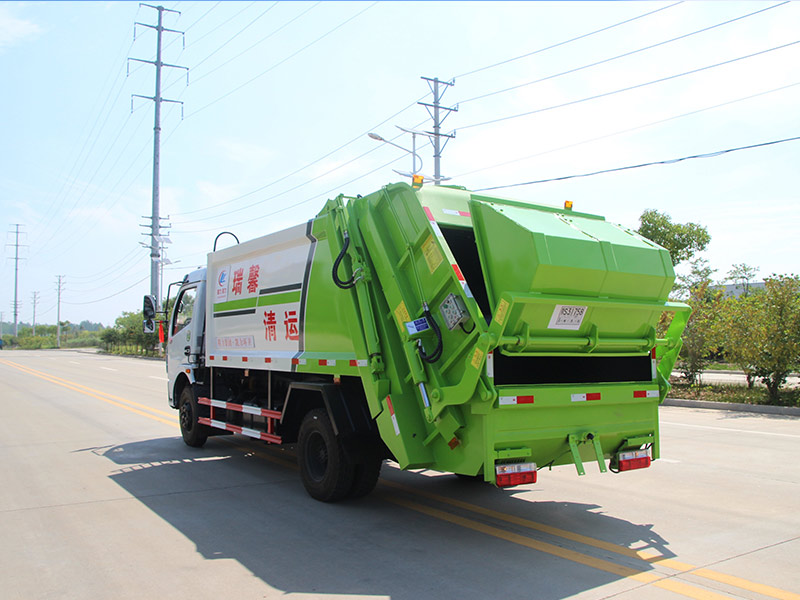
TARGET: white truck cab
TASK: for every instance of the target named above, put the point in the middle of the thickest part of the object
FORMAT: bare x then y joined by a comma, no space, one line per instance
185,336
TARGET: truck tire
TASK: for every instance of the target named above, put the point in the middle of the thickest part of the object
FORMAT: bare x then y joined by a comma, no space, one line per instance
325,467
194,434
366,474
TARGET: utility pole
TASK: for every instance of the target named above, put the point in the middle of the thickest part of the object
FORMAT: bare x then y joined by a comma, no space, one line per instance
35,302
60,284
438,91
15,306
155,246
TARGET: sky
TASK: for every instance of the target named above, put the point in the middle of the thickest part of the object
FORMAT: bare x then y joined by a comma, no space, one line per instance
281,97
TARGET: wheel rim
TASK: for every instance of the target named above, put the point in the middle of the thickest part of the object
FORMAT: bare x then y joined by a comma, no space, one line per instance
186,416
316,456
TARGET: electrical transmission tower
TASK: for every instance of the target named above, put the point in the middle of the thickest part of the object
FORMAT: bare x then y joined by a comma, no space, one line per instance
16,305
60,285
435,110
35,302
155,244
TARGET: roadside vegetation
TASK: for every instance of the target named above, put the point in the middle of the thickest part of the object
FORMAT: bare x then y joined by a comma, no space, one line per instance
755,329
81,335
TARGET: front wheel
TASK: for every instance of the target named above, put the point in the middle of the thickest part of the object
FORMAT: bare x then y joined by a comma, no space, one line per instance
194,434
325,467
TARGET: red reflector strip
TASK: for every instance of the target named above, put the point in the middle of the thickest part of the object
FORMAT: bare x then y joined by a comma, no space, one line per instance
298,361
323,362
395,424
428,213
224,358
211,357
508,400
358,363
584,397
267,437
267,360
244,359
456,213
653,353
458,273
645,394
511,479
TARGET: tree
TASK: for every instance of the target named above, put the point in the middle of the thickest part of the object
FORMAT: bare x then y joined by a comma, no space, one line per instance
738,333
778,314
741,275
682,240
700,336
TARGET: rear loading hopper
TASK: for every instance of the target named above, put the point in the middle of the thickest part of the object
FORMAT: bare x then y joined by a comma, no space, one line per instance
555,358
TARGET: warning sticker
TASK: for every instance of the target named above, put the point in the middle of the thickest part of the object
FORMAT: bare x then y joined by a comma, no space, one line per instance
401,314
502,309
567,317
477,358
432,254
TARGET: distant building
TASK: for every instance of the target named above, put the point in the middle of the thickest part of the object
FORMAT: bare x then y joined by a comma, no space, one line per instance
737,289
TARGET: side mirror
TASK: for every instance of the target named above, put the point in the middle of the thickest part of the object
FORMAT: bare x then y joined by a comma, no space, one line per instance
149,314
149,307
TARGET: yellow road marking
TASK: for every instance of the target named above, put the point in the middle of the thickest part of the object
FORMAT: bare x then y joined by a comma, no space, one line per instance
661,581
109,398
648,556
667,583
759,588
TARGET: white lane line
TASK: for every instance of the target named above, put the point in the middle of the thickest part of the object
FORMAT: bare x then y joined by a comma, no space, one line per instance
108,369
74,362
671,461
159,378
731,429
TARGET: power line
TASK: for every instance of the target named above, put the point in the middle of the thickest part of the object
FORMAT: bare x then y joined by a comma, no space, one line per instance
624,55
279,63
217,27
630,88
142,280
296,204
639,166
320,159
233,37
569,41
629,130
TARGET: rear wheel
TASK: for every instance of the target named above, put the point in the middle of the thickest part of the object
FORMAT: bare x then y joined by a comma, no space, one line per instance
194,434
325,467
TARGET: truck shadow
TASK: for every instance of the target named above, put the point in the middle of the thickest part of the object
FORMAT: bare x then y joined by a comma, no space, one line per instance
236,499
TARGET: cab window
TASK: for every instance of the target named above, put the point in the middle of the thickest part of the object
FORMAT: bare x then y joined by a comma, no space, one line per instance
184,310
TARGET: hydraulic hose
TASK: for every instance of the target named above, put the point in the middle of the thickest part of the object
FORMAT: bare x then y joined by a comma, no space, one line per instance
345,285
437,354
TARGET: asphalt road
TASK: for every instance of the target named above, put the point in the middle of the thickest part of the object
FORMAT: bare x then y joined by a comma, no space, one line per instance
100,498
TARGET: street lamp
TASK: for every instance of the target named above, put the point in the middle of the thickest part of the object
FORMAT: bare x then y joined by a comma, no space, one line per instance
412,152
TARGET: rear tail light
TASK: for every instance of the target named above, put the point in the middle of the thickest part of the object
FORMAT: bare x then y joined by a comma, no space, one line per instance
633,459
510,474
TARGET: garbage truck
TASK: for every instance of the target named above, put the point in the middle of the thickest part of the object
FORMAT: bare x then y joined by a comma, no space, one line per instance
435,327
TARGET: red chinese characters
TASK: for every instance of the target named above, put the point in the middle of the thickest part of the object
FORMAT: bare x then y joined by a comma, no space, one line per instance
236,285
290,322
252,279
270,323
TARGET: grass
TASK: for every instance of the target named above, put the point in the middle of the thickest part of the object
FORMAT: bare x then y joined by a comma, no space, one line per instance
738,394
